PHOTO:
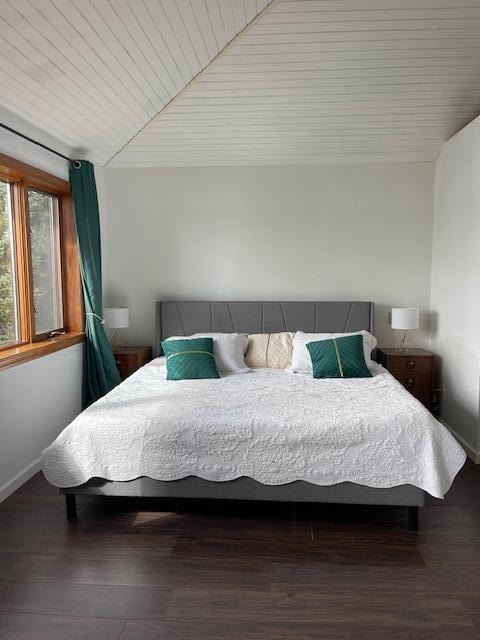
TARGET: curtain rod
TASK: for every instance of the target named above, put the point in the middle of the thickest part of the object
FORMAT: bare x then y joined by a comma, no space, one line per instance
39,144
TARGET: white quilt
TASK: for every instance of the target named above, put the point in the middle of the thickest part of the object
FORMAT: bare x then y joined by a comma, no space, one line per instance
269,424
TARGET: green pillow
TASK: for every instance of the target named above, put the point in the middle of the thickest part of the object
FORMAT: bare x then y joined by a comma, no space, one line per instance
190,359
339,358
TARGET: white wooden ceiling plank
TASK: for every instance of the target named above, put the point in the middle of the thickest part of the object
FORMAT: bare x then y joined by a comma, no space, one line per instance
47,88
439,27
250,9
205,26
299,6
278,125
130,17
195,36
100,39
364,47
330,160
432,14
112,15
360,117
239,15
226,12
272,155
413,131
300,143
461,88
215,17
412,35
257,162
252,141
226,131
68,74
301,86
34,104
171,10
378,80
251,107
259,69
164,28
95,59
287,150
434,56
158,41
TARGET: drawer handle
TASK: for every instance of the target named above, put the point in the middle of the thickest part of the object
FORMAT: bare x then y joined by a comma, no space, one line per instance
411,382
118,362
411,364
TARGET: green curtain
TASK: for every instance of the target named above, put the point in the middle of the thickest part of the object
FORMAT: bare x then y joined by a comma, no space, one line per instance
100,373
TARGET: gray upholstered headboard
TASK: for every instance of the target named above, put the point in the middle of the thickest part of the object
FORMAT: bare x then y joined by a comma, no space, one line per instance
185,318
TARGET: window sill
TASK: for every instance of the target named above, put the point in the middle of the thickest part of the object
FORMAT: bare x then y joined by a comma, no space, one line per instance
27,352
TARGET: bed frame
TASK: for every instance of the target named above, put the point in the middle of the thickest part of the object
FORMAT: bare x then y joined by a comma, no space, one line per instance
185,318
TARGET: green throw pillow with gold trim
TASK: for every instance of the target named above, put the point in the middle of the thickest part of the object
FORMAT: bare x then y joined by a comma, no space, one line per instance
339,358
190,359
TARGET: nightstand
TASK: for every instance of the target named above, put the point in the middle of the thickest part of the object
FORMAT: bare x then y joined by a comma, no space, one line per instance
129,359
416,370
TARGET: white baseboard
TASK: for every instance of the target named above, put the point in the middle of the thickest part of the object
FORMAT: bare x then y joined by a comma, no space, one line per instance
22,476
471,452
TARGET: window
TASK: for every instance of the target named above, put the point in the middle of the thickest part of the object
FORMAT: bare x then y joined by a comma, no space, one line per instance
8,285
40,290
46,262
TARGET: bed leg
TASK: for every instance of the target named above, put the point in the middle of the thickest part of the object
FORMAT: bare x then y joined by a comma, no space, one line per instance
413,513
71,505
293,510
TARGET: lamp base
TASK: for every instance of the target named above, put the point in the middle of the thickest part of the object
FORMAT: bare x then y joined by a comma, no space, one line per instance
406,343
115,339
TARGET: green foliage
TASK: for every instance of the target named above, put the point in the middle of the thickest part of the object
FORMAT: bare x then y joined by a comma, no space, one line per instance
43,265
7,310
43,261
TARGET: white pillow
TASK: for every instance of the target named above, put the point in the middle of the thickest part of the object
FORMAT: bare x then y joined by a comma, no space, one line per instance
301,361
228,349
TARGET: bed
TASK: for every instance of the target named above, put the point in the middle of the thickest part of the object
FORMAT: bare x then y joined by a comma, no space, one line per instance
265,435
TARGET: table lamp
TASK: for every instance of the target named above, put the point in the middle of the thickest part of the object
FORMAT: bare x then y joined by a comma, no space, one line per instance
405,319
116,318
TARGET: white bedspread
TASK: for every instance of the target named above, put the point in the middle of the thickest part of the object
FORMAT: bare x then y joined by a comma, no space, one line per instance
270,425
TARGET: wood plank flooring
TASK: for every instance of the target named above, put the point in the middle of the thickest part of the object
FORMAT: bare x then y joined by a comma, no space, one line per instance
134,570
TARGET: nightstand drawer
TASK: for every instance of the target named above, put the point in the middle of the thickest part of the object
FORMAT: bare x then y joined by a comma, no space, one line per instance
405,363
125,364
129,359
418,385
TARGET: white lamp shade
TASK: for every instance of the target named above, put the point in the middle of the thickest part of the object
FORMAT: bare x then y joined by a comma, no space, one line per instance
116,317
405,319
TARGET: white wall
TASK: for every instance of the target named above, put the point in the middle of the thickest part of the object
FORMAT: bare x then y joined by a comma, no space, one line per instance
455,289
325,232
38,398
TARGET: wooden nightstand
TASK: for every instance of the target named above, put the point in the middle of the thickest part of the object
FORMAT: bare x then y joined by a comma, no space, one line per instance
416,370
129,359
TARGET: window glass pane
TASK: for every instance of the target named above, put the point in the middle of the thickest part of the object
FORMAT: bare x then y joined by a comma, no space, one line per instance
46,268
9,329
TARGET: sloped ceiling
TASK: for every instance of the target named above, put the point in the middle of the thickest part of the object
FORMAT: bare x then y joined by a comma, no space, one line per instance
92,73
153,82
326,81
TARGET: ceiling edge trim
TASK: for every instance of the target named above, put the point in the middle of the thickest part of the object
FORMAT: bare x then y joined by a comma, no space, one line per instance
195,78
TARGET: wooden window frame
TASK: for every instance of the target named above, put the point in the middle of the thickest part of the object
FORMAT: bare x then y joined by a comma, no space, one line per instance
22,177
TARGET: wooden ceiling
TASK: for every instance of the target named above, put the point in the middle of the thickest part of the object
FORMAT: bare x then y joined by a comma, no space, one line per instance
92,73
303,82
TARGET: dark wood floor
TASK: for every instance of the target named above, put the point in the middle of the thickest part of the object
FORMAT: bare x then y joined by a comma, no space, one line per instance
138,571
